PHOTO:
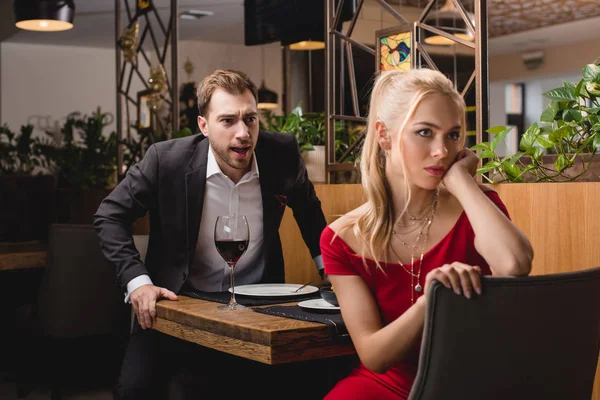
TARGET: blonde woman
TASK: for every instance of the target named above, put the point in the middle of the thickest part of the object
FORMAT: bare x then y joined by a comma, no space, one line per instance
425,218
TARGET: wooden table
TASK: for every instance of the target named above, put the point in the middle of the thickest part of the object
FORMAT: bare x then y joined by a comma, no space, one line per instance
245,333
22,255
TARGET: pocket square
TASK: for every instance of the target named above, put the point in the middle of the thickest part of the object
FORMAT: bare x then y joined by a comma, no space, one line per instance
281,199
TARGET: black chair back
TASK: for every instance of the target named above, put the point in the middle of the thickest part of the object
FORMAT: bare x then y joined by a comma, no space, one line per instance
535,337
78,296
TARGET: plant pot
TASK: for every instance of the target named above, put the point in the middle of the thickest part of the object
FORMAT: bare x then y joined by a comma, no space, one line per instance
315,164
26,207
591,175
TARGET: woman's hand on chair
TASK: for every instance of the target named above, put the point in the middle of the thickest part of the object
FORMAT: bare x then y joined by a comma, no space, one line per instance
461,278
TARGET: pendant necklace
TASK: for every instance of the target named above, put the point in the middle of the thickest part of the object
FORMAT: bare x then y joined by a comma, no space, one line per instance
416,273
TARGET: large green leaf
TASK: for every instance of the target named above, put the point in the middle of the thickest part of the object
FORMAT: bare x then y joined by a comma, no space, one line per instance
511,170
561,133
486,154
496,129
548,114
560,94
560,163
570,86
492,165
514,158
544,141
578,88
596,140
572,115
499,138
591,73
561,105
529,137
481,146
593,89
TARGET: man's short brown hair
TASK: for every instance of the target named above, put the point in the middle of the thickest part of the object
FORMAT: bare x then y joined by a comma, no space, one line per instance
231,81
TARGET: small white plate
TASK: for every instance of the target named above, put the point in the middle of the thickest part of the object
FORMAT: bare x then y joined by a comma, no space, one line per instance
274,290
318,304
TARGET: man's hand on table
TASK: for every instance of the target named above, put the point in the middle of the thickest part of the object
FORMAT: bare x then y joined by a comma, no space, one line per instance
143,300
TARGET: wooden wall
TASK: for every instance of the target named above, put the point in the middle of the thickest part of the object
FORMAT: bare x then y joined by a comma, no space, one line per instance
335,201
560,219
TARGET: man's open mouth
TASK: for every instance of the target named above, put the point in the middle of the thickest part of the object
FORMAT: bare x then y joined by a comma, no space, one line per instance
241,151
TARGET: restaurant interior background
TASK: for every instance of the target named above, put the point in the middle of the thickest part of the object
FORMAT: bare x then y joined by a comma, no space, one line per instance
45,76
533,46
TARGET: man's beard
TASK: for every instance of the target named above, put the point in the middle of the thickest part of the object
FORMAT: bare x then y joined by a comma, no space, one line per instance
234,163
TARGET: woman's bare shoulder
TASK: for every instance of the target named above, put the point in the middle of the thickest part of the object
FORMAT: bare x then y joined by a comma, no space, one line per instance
349,218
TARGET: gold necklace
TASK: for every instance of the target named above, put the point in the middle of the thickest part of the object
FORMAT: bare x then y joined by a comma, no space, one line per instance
422,215
426,227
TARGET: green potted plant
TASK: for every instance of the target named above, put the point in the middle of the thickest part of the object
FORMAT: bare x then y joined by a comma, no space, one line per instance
25,212
84,160
545,185
309,129
561,147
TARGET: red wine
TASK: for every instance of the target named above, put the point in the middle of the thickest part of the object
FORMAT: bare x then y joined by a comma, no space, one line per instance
231,250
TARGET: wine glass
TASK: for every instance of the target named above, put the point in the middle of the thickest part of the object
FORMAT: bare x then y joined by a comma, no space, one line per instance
231,239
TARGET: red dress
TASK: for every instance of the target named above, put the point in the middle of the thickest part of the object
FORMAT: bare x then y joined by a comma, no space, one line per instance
392,295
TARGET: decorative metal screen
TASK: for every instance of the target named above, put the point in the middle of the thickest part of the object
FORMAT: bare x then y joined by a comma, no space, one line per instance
145,28
405,46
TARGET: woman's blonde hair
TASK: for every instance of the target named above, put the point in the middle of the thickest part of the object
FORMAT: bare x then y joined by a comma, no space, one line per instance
394,99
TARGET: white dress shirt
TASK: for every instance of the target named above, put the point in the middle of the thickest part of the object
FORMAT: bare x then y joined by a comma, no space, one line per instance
209,271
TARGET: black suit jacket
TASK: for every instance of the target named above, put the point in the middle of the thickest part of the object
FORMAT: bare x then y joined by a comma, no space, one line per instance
169,183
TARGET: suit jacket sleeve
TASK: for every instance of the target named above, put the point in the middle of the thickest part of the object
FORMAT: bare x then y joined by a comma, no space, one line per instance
130,200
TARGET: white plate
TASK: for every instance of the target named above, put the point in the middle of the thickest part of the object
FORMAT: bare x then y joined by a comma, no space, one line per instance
274,290
317,304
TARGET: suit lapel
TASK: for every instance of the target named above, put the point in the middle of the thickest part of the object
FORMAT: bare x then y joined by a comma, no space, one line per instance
195,184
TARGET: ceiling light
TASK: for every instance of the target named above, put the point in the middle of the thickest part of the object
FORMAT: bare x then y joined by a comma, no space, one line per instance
267,99
44,15
308,45
449,20
195,14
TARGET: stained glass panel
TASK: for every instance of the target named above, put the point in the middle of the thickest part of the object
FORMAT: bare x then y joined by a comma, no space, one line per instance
395,51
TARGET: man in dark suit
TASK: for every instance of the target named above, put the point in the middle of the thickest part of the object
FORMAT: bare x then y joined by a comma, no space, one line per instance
185,184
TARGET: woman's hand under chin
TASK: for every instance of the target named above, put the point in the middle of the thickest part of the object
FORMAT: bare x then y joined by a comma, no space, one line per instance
463,167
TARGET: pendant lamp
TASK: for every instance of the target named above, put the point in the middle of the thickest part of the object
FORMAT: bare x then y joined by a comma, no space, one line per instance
267,99
308,45
303,25
44,15
448,19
